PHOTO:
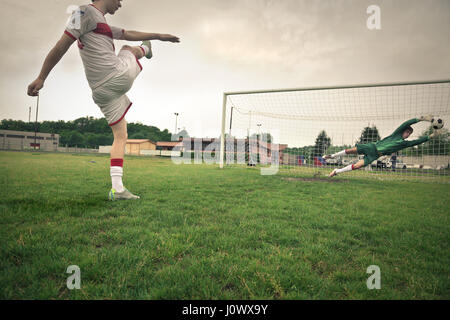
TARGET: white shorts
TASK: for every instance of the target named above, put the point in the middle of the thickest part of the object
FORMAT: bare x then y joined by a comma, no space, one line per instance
111,96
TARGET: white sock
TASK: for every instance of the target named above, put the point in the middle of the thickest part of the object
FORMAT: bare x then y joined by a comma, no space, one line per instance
338,154
146,49
346,169
116,178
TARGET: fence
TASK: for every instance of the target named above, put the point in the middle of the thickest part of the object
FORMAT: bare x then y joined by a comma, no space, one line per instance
23,146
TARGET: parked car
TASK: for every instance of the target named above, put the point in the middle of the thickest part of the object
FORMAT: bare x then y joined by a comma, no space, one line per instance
334,162
398,165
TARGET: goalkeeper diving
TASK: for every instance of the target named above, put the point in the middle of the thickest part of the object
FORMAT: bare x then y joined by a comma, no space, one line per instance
391,144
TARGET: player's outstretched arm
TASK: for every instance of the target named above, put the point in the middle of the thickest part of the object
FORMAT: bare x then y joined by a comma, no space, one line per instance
406,124
52,59
130,35
419,141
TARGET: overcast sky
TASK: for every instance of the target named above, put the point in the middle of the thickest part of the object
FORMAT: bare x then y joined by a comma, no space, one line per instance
231,45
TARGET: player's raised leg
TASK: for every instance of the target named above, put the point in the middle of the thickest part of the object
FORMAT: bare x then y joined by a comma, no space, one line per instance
348,168
144,50
118,191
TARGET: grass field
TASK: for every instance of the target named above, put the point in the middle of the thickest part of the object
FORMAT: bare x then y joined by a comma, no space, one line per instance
204,233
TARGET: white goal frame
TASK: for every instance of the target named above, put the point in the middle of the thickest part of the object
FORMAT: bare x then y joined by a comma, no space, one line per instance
227,95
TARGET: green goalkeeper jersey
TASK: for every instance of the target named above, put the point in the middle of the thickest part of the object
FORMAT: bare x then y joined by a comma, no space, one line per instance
395,141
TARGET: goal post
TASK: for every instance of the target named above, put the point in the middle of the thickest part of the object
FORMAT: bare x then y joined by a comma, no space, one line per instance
313,121
222,138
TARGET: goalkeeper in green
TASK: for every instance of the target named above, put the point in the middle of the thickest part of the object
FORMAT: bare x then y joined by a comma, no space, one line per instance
393,143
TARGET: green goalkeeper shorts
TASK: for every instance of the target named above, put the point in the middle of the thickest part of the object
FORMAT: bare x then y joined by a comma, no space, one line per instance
369,151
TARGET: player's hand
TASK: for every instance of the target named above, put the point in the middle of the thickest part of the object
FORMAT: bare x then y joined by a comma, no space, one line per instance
169,38
428,118
435,134
35,86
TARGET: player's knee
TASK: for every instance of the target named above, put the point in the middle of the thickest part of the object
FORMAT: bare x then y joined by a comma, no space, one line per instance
121,137
133,50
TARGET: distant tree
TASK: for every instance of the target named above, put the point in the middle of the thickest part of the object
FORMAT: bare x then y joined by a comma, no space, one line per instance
98,126
17,125
138,135
369,134
82,125
94,140
72,139
91,132
135,128
165,135
323,142
307,151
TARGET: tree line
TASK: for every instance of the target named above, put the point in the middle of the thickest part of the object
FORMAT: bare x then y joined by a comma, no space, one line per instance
87,132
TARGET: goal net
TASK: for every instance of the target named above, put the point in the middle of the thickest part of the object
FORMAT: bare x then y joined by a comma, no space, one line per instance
296,127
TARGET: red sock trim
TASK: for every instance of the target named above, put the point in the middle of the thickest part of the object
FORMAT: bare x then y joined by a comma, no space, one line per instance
143,50
117,163
353,167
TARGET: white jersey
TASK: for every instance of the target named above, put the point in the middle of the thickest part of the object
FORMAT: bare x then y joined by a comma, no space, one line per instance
95,37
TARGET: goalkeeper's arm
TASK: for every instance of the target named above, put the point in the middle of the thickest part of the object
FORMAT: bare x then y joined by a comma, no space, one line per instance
428,118
418,141
406,125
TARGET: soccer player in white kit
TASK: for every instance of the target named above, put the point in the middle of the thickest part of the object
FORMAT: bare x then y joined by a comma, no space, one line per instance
109,76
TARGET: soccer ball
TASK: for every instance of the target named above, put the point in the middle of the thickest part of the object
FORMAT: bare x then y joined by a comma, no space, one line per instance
437,124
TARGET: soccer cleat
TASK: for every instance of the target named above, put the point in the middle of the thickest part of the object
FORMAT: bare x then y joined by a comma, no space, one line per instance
328,156
125,195
148,44
333,173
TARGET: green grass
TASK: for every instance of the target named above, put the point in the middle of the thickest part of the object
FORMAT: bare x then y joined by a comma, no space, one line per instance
204,233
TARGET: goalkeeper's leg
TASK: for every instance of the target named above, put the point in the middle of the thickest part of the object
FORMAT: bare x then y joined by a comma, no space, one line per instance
351,167
341,153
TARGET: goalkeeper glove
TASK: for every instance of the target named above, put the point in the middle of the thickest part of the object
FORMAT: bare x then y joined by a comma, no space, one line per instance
428,118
